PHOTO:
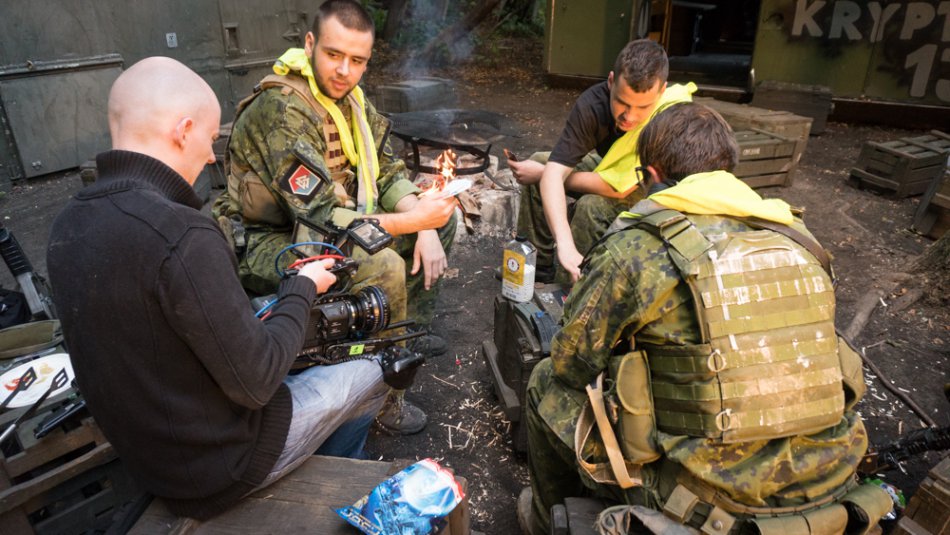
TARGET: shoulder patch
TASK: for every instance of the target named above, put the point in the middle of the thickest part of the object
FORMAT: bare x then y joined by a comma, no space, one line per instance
300,181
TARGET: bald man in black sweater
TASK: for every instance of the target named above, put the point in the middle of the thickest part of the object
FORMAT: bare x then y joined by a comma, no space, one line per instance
188,385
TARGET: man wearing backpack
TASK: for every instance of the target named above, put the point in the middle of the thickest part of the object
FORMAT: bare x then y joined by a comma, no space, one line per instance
729,411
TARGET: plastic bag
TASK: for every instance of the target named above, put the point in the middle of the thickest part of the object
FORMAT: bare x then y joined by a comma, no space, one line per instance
414,501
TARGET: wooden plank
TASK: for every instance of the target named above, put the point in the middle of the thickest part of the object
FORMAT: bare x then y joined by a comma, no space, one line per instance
762,167
54,445
20,493
761,181
299,503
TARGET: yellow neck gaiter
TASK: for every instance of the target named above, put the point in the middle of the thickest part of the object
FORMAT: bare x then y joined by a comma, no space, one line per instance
361,151
617,167
720,193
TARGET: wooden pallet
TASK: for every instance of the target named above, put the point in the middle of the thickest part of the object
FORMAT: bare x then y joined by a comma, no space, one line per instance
765,159
905,166
67,482
928,512
304,501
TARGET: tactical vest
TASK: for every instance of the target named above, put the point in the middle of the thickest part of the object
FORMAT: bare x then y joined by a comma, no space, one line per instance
334,158
768,364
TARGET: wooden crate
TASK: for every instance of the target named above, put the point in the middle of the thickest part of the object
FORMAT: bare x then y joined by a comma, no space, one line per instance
905,166
303,501
801,99
764,158
778,122
70,481
932,217
928,512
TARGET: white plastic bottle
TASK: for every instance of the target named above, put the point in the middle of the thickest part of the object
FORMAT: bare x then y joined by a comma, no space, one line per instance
517,281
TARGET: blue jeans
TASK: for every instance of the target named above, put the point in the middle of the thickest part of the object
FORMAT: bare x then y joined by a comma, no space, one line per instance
333,409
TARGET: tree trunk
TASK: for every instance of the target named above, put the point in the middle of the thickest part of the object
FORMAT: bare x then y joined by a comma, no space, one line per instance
453,33
394,19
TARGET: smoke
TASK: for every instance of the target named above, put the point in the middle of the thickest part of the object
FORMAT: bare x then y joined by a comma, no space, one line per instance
425,20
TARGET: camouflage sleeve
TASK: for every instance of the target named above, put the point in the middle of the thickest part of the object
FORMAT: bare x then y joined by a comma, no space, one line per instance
274,138
393,181
624,288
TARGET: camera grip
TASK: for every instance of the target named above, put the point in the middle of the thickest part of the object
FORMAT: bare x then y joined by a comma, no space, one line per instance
399,366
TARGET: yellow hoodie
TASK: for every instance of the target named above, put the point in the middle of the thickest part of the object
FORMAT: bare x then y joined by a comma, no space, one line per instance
720,193
617,167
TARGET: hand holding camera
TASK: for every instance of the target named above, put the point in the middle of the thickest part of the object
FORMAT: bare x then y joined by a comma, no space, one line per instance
320,272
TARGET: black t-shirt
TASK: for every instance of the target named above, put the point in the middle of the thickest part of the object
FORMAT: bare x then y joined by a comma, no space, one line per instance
590,126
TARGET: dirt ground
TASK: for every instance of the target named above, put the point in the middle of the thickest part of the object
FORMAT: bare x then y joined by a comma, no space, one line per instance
868,234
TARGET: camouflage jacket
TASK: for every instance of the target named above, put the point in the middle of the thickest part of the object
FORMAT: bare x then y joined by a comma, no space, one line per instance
631,290
271,138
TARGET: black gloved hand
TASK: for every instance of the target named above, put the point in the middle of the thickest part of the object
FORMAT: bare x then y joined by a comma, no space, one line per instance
399,366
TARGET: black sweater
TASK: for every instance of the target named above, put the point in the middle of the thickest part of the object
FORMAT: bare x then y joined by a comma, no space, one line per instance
182,378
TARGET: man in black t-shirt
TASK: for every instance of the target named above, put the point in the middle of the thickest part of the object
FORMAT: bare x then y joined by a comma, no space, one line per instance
594,160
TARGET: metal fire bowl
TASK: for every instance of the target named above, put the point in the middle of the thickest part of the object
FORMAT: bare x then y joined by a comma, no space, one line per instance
454,127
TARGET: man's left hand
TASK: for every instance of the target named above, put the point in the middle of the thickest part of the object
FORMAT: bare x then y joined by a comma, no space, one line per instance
430,256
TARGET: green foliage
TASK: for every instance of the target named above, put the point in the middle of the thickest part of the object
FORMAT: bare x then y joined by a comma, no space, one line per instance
378,12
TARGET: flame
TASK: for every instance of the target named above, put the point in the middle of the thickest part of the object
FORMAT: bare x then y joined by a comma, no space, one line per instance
446,164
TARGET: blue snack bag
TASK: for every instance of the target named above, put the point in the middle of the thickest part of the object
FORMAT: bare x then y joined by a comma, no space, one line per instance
414,501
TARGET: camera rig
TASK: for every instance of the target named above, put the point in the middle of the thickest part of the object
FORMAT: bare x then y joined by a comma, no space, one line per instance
344,325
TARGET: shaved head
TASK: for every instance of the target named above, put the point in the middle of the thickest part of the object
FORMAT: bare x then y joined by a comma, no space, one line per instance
161,108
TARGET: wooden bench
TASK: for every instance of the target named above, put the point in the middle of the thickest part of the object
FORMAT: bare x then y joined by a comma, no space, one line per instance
304,501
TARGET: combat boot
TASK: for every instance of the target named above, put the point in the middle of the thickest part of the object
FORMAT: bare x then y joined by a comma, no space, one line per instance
428,345
399,417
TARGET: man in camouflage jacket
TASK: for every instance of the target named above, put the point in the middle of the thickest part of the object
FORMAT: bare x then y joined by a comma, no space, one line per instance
290,175
631,291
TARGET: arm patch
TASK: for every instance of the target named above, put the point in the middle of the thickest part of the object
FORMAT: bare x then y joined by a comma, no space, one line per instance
301,180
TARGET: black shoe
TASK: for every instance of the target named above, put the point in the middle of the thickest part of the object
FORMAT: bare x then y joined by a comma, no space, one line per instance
544,274
428,345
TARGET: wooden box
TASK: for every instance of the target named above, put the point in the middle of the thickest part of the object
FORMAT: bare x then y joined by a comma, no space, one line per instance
928,512
905,166
933,214
69,481
303,501
765,159
778,122
807,100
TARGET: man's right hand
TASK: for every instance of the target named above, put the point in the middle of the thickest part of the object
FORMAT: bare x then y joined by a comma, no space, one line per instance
526,172
317,272
431,212
570,259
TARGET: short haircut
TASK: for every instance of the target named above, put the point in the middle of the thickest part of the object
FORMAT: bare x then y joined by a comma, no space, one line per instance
687,138
351,14
641,63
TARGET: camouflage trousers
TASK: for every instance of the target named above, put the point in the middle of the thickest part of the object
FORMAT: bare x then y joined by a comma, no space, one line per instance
590,215
388,269
552,464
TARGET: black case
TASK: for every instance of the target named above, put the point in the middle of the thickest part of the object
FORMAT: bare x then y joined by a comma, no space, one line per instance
522,337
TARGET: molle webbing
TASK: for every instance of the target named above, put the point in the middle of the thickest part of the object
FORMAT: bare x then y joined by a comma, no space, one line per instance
769,363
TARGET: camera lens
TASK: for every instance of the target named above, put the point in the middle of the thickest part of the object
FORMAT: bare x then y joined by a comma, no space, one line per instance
372,312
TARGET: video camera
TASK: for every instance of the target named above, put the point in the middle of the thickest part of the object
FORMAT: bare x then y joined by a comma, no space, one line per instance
344,325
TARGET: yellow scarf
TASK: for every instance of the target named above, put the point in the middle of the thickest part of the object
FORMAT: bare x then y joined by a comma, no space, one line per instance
363,150
720,193
617,167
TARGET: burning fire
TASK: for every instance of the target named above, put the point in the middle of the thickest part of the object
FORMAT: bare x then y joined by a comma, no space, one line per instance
446,164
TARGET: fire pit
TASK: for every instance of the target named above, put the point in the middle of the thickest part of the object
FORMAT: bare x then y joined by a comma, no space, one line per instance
470,131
